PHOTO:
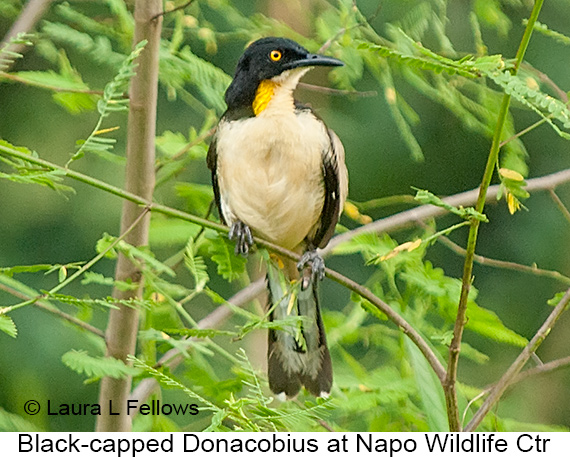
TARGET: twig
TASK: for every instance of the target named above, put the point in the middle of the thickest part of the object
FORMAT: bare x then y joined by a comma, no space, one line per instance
560,204
398,221
450,387
173,357
28,18
542,369
410,217
543,77
505,264
189,146
181,7
79,272
53,310
332,91
511,374
123,323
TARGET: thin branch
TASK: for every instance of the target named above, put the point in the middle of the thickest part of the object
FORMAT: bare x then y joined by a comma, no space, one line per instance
505,264
79,272
543,77
408,218
189,146
542,369
123,323
398,221
511,374
404,326
173,357
332,91
450,386
27,20
181,7
560,204
46,306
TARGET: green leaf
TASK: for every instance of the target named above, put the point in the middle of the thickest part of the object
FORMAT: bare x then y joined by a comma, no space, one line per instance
556,299
545,30
184,67
10,271
487,323
28,173
426,197
141,255
429,388
198,332
7,326
6,56
97,367
113,100
196,266
222,251
13,423
198,196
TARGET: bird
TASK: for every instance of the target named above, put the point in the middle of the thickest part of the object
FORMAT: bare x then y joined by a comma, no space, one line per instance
279,173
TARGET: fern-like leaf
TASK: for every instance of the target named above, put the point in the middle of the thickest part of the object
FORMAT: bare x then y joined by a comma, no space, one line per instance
230,265
97,367
196,266
7,326
7,57
113,100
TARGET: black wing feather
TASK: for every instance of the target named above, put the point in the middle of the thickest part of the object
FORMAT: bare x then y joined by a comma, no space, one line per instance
331,206
212,162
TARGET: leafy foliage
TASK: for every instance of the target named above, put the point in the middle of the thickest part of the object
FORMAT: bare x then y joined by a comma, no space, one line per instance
382,380
96,367
113,100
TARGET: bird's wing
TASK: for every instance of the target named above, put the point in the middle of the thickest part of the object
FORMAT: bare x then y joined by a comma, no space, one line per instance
335,178
212,162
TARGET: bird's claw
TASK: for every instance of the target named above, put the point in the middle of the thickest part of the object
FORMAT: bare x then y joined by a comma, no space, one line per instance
242,234
316,263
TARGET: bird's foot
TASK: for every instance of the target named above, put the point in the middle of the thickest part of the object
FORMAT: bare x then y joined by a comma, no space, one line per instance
242,234
317,265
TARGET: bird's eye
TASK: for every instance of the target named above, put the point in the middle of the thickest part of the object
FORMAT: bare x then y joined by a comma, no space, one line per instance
275,55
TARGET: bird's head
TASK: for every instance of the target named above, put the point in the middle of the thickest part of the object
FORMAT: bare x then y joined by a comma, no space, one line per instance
267,62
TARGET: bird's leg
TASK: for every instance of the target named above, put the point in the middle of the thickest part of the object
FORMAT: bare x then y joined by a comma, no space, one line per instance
242,234
316,263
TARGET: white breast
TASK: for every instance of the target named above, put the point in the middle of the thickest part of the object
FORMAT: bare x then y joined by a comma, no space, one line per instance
270,173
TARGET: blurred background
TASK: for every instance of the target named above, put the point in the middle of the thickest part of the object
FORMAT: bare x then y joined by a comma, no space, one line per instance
41,226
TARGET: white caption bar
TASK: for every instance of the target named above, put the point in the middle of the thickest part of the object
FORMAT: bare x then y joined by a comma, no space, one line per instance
264,444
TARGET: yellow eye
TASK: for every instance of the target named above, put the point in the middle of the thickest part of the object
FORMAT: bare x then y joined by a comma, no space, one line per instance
275,55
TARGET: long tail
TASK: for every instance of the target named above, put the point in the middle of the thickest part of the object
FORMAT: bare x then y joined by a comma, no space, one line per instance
298,355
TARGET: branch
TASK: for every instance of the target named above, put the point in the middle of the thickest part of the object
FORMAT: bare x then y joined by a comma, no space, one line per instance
395,222
541,369
505,264
173,357
28,18
455,346
510,375
46,306
560,204
123,322
410,217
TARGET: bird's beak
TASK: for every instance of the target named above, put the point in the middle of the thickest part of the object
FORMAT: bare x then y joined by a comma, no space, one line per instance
314,60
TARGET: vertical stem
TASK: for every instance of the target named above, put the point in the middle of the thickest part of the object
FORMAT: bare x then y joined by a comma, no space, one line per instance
510,375
454,348
123,322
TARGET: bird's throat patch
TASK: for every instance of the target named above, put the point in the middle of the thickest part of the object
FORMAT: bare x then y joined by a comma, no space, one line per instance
263,95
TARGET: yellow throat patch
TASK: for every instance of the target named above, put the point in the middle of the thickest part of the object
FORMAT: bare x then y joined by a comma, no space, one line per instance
263,95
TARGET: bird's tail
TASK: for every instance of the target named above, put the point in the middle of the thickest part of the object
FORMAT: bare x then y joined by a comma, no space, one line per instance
297,353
